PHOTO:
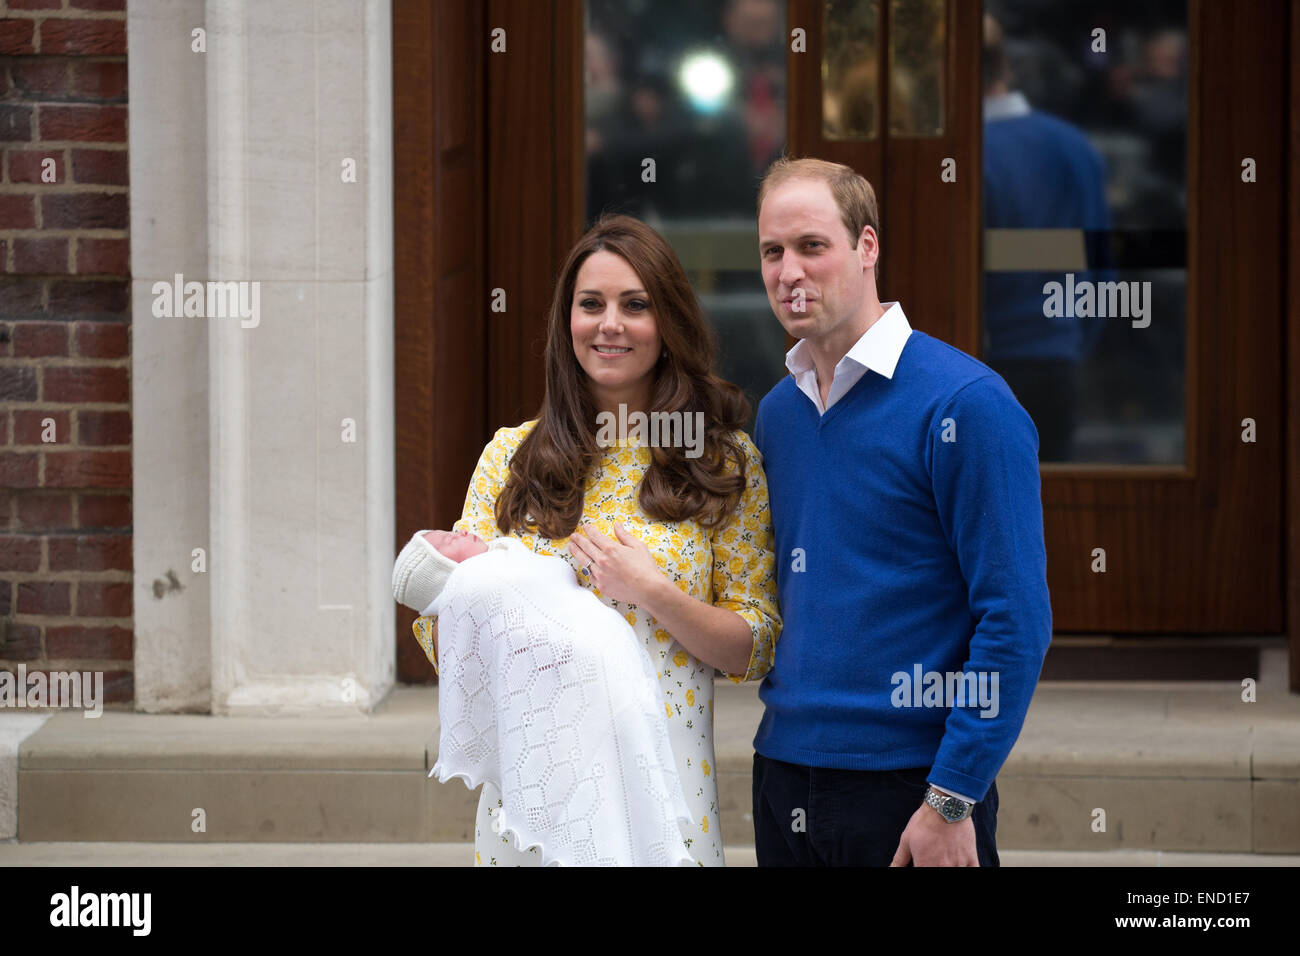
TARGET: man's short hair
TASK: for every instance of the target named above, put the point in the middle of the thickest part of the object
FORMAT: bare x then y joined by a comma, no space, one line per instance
994,67
850,190
852,193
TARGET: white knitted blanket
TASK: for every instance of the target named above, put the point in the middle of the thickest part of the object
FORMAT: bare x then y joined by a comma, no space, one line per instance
547,693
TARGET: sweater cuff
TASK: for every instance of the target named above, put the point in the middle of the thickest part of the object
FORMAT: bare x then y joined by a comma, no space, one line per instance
957,783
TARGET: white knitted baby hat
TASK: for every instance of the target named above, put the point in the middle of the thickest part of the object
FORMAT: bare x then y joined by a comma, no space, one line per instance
420,573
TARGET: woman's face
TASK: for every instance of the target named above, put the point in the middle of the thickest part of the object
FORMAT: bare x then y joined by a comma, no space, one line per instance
615,335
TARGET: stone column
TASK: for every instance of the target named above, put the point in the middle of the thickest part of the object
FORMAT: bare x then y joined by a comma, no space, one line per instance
264,438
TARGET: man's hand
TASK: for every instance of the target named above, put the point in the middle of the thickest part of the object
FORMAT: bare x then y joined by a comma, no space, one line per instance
929,840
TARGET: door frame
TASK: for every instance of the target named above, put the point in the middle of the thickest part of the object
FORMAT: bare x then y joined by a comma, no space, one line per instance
487,192
439,380
1292,331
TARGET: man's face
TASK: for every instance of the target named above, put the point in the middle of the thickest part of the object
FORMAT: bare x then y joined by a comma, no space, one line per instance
805,248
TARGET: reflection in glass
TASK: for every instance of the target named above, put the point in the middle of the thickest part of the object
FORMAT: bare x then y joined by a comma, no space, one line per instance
1085,211
916,67
699,86
850,67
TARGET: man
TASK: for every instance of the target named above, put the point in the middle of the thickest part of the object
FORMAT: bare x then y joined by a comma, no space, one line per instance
903,479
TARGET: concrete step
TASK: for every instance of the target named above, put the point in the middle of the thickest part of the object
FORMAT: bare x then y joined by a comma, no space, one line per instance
462,854
1176,767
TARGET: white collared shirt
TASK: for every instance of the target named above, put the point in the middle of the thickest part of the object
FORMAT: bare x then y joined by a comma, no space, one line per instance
1006,106
878,349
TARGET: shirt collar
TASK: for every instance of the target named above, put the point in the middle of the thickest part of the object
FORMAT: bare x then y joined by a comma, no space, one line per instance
878,349
1006,106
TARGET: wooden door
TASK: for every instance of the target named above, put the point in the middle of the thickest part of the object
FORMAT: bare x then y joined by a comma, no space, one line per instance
440,339
1195,548
487,187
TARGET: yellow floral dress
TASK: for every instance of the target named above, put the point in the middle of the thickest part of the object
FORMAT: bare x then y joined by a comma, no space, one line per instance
730,566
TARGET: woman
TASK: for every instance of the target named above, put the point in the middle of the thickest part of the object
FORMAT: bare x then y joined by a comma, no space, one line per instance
678,540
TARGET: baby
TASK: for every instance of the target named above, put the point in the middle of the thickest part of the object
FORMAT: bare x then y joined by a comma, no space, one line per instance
547,693
425,564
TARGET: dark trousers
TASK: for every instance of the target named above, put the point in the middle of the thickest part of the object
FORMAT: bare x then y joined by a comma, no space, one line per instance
813,816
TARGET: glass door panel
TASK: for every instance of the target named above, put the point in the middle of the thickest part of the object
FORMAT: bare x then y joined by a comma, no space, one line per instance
698,87
1085,223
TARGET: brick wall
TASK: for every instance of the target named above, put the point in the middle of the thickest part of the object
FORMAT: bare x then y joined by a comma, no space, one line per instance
65,413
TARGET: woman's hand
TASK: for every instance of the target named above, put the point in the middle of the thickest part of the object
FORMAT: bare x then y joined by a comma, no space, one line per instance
626,571
623,569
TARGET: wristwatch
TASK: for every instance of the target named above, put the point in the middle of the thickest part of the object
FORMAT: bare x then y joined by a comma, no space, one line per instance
949,807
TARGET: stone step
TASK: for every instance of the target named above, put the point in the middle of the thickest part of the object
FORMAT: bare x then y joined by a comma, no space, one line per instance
462,854
1175,767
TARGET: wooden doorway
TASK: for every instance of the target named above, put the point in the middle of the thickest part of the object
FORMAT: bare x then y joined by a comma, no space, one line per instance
1190,549
489,184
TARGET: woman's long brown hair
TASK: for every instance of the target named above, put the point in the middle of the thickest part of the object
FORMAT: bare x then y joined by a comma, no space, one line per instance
548,472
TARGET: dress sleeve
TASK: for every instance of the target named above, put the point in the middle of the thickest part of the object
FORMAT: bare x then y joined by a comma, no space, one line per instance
478,516
744,567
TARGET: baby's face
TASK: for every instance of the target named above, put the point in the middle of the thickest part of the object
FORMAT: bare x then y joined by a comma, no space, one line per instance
457,545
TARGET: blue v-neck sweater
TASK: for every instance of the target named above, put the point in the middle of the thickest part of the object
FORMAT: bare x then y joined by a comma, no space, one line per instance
909,540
